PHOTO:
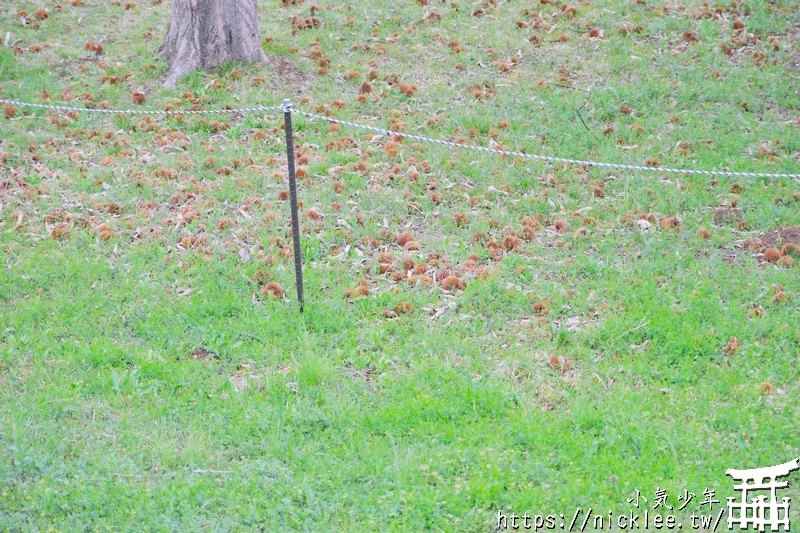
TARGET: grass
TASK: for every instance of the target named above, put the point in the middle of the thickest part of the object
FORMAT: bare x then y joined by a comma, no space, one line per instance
147,382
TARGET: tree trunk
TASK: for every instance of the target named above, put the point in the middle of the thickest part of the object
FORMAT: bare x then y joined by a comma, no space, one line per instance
208,33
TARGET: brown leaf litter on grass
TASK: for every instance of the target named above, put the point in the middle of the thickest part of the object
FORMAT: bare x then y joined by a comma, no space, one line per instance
452,282
771,255
563,365
667,223
733,346
60,231
421,273
361,290
272,289
402,308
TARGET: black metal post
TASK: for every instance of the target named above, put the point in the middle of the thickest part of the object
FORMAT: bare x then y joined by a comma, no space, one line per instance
298,259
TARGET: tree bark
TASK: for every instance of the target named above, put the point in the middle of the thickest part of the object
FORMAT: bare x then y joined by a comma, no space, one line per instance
208,33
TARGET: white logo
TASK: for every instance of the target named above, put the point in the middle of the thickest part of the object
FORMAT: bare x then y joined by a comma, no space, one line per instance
760,512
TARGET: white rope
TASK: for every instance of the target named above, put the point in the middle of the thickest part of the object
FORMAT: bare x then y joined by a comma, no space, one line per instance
284,108
141,111
551,158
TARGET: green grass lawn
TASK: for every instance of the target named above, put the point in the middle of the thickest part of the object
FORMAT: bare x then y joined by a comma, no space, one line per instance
599,333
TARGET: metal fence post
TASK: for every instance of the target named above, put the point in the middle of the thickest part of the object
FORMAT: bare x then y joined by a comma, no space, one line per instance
286,107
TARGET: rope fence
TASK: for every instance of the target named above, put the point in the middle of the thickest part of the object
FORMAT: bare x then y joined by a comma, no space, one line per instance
422,138
240,111
552,159
287,110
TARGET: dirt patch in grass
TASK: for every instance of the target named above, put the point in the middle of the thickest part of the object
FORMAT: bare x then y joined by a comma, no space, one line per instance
201,354
289,74
727,215
781,237
793,61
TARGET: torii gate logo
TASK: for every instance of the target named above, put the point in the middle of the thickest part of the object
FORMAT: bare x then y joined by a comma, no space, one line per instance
758,511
